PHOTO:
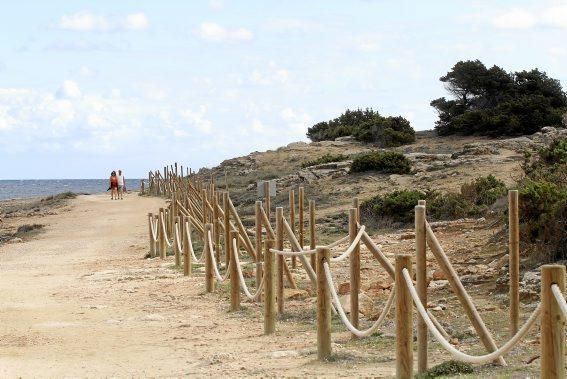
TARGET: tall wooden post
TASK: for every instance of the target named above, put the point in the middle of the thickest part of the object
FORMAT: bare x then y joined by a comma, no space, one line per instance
404,331
514,260
269,289
209,275
323,306
226,208
187,266
234,279
292,220
152,242
312,241
280,260
258,245
204,203
421,278
267,199
162,234
175,245
216,227
356,204
301,210
354,268
552,324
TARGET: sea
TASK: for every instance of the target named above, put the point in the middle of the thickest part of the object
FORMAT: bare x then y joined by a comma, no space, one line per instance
18,189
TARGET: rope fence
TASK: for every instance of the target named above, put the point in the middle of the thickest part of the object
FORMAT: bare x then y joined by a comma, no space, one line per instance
198,206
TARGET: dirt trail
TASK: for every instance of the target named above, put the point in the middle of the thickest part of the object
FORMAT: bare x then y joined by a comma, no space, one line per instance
80,301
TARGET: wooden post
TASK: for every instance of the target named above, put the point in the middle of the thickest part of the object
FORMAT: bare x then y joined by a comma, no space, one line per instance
404,331
258,228
280,260
216,226
323,307
514,260
175,246
142,187
162,234
421,278
292,220
187,266
354,268
267,199
234,279
301,200
552,324
269,289
209,276
356,204
152,242
204,204
312,241
226,208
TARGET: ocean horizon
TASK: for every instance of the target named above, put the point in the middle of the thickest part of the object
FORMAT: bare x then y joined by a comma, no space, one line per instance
26,188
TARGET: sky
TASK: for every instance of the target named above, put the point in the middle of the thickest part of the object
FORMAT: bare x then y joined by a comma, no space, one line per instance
91,86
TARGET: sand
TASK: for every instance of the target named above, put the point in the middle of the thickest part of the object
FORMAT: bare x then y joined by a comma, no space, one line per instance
79,300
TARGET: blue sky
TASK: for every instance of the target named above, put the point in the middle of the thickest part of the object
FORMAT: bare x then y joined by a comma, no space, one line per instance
87,87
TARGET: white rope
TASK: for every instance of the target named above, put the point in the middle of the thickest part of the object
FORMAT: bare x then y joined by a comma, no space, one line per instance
241,275
153,228
352,246
341,311
447,345
336,243
560,299
289,253
190,240
220,278
177,241
163,228
304,262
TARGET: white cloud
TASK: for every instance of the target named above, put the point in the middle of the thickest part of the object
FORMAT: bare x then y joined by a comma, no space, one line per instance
216,5
523,18
368,42
197,119
214,32
273,74
557,51
69,89
291,25
86,21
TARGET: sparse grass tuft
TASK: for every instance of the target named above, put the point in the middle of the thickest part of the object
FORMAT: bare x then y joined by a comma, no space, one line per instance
448,368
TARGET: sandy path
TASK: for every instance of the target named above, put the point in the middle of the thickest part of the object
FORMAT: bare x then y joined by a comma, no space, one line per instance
79,301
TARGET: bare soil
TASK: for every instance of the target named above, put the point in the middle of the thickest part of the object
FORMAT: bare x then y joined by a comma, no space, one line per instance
79,300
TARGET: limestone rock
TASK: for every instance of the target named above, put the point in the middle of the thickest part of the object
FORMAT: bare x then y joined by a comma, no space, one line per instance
295,294
344,288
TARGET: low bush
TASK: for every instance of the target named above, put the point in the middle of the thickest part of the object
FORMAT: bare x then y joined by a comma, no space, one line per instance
389,162
543,202
474,200
327,158
445,369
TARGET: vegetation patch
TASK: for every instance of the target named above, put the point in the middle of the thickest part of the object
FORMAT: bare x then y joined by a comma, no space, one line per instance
365,125
449,368
543,202
385,162
327,158
491,101
474,199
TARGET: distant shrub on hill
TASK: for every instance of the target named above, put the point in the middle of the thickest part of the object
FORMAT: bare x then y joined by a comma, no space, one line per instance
365,125
327,158
491,101
474,200
389,162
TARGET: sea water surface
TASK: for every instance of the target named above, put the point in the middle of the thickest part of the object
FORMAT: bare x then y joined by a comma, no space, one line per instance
17,189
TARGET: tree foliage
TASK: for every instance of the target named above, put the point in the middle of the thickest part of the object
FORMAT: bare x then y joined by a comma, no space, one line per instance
365,125
490,101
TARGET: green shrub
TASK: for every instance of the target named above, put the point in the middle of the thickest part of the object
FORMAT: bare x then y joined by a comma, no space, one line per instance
483,190
384,162
367,126
327,158
397,206
451,367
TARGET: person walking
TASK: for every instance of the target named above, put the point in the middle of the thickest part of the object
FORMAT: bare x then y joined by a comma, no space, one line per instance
113,186
121,185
